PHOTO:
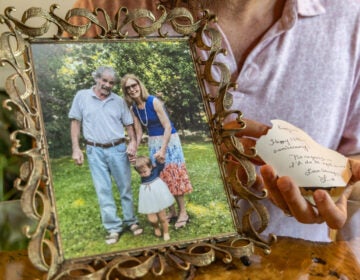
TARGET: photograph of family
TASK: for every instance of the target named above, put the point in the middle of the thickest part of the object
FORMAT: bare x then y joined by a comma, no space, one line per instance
132,157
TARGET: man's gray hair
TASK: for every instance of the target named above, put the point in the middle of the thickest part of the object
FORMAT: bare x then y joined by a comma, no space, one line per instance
100,71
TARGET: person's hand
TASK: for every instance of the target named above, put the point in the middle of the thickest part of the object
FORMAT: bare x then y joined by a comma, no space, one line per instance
160,156
246,132
284,193
78,156
131,151
159,159
132,158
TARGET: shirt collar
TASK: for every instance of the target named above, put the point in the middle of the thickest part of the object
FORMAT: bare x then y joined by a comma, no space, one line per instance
310,7
305,8
110,97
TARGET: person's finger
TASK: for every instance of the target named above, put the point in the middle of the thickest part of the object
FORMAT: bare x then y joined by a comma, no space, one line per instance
247,143
270,182
132,160
81,160
333,214
258,185
299,207
251,128
352,191
355,169
249,146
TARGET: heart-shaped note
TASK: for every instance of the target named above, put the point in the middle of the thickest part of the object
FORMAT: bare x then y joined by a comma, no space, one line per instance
292,152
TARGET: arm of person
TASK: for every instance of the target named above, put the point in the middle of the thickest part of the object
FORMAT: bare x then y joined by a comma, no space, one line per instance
160,165
132,145
138,129
165,122
77,154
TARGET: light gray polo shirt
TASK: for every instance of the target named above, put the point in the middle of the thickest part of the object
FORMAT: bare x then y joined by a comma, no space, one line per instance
102,121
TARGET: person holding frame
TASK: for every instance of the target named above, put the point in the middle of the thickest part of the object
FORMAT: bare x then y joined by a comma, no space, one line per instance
279,55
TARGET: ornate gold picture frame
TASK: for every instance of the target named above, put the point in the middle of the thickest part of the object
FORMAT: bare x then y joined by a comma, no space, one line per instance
20,47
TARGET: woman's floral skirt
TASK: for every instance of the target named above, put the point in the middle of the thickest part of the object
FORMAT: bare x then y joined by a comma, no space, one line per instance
174,174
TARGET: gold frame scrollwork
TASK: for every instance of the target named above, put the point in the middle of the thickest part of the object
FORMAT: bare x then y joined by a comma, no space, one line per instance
37,198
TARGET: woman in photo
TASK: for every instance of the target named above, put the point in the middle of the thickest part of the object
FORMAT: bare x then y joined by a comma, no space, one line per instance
163,143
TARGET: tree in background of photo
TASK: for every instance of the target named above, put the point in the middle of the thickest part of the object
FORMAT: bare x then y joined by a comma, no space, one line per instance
167,67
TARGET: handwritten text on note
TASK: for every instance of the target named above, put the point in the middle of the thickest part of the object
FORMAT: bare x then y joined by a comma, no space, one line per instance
294,153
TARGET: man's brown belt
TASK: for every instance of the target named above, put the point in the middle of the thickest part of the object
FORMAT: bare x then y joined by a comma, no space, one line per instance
106,145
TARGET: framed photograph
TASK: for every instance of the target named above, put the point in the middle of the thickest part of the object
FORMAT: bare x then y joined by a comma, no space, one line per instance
173,59
71,64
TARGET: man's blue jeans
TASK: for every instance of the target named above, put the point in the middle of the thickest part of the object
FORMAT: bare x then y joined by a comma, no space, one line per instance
104,163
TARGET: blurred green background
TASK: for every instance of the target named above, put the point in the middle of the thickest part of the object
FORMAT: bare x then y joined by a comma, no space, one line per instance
12,219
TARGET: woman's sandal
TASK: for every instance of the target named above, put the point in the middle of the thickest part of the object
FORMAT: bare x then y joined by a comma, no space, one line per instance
136,229
171,218
182,223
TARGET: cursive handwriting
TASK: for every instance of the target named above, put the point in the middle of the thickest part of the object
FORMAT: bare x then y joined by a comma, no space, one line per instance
292,152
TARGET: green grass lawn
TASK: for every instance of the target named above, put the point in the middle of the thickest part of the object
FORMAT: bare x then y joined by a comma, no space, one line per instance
78,216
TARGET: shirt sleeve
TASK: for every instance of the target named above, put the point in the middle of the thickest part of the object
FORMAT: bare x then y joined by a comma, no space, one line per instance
75,109
126,116
350,141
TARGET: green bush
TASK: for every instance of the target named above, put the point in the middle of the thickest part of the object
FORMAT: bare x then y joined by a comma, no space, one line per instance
9,164
12,218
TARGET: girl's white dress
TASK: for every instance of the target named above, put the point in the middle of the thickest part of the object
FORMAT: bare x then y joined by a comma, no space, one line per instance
154,196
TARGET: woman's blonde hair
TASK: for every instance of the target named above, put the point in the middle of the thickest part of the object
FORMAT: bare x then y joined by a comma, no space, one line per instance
143,90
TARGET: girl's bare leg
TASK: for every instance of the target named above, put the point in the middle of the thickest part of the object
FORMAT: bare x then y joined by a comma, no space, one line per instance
164,224
153,219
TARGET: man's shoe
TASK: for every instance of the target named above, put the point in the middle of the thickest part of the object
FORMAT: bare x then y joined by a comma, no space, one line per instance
136,229
112,238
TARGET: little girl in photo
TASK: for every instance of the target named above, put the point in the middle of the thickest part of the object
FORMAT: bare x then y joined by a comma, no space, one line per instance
154,195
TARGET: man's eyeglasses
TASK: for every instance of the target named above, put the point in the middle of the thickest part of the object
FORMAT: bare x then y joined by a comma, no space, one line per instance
133,86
